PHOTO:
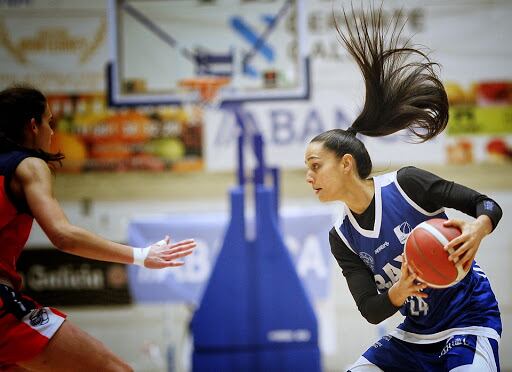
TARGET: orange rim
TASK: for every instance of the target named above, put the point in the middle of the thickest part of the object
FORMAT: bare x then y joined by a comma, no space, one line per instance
207,86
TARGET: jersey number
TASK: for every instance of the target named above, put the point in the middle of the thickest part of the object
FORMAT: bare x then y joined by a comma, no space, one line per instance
417,306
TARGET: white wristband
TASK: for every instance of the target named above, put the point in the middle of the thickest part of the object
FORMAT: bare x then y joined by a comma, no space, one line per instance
139,255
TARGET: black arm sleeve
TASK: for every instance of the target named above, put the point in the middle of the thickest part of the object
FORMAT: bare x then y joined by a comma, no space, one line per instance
432,193
373,306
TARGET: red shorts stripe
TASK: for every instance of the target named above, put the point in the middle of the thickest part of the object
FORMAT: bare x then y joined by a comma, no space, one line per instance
23,339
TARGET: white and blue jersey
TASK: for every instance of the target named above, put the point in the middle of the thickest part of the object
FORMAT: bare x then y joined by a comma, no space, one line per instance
467,308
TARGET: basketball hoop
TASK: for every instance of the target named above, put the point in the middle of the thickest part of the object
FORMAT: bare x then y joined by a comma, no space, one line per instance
206,86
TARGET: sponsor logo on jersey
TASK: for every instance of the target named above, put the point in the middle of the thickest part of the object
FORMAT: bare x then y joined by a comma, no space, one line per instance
381,247
379,343
367,259
402,231
453,342
39,317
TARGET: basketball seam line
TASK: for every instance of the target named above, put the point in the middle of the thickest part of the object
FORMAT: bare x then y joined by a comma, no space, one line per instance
443,240
461,273
431,229
425,259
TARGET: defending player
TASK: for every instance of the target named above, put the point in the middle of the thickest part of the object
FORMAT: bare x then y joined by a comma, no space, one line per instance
33,337
454,329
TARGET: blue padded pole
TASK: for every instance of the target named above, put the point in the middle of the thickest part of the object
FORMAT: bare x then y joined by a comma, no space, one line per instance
240,157
259,171
236,108
276,180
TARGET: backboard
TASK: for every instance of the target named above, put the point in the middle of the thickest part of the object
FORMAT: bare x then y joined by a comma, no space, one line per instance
259,45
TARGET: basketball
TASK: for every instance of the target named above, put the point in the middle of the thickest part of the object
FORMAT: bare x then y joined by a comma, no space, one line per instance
426,257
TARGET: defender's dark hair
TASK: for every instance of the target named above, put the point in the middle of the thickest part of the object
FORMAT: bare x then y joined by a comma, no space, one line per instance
401,92
18,105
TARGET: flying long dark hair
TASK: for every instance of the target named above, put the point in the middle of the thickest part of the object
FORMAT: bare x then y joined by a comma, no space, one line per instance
18,105
403,90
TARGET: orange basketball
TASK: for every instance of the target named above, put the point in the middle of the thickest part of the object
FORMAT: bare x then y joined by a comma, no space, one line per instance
426,257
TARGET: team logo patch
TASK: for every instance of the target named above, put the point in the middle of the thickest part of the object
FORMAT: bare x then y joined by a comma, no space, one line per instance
367,259
39,317
402,231
489,205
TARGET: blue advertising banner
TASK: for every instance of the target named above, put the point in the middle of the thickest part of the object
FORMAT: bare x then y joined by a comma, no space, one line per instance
305,234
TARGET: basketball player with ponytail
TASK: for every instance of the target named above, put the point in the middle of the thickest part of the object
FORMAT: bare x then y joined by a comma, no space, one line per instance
453,329
26,194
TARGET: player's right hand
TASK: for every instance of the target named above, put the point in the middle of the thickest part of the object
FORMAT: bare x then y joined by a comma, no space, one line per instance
166,254
406,286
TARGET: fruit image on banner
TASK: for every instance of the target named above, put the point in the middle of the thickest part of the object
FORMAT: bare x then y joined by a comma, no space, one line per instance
480,125
74,149
94,137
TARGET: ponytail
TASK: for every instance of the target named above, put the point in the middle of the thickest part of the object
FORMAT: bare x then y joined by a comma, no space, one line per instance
402,88
402,92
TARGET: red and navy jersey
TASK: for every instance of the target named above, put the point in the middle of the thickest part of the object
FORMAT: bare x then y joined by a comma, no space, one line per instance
15,218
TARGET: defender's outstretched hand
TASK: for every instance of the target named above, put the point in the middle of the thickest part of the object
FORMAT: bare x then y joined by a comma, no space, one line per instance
164,253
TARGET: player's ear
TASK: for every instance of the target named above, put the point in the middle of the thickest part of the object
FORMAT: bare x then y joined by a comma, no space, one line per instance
347,162
30,129
33,125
